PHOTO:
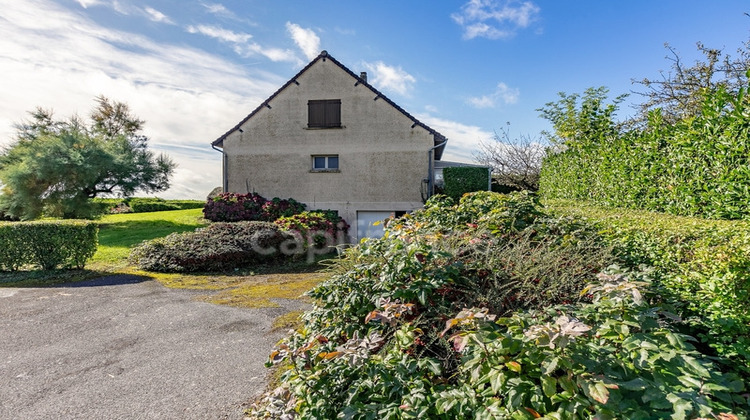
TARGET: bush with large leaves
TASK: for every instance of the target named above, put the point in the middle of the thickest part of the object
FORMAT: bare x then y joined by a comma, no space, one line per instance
405,328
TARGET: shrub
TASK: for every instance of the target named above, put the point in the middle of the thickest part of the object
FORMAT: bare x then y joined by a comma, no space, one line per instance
322,229
405,327
277,208
218,247
696,166
187,204
144,206
701,266
47,244
460,180
231,207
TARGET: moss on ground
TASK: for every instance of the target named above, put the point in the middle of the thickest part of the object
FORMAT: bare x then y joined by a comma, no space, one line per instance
259,291
289,321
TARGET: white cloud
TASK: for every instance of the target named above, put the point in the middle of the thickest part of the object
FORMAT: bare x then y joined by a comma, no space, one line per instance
86,3
463,140
241,44
495,19
306,39
187,97
216,32
503,93
129,10
217,9
391,78
157,16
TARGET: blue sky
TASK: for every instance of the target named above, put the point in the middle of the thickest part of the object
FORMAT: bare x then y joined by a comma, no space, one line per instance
192,69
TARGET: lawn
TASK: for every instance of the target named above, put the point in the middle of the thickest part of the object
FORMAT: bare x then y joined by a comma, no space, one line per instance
118,233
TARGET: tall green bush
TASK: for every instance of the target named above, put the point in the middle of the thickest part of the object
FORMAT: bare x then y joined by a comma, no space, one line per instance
698,166
47,245
460,180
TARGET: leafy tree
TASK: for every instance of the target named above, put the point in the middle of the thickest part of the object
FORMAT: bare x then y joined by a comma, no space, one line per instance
581,120
514,163
56,167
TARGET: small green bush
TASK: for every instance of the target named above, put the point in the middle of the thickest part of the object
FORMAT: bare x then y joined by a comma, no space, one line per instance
139,206
145,204
47,245
320,228
218,247
460,180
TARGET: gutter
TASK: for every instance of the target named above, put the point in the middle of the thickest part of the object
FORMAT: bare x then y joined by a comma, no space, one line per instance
431,169
224,182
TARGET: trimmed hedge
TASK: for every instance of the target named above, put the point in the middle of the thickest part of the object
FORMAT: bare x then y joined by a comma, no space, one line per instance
702,267
694,167
460,180
145,204
217,247
48,245
149,206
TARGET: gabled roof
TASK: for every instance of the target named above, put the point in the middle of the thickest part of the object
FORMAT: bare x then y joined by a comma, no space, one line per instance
440,140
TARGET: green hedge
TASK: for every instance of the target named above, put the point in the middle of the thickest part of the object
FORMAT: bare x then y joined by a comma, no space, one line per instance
695,167
460,180
703,267
145,204
47,244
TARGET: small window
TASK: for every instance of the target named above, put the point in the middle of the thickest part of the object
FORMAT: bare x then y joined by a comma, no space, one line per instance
324,113
326,163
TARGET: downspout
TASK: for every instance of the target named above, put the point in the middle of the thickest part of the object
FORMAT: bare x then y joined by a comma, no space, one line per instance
224,183
431,169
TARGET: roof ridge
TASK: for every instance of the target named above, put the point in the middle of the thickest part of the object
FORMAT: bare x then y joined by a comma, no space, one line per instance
324,55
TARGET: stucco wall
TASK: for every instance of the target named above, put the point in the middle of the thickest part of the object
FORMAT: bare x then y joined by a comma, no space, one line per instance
382,159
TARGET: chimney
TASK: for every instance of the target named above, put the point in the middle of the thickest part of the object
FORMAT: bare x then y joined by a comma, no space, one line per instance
363,76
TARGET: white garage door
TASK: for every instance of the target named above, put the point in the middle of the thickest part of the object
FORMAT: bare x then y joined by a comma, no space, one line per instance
366,221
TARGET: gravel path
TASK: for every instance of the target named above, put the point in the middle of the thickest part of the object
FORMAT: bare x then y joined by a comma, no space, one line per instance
122,348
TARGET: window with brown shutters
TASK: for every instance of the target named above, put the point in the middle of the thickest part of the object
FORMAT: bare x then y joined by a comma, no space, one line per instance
324,113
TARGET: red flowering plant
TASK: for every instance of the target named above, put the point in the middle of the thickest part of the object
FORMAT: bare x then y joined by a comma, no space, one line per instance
232,207
276,208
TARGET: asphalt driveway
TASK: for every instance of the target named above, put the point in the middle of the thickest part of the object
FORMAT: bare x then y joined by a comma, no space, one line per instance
123,348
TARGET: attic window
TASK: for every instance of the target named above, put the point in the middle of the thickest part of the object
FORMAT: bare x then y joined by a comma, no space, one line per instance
324,113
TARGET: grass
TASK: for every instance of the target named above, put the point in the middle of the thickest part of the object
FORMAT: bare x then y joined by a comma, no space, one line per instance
119,232
253,287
